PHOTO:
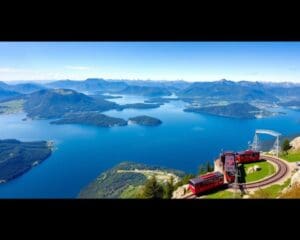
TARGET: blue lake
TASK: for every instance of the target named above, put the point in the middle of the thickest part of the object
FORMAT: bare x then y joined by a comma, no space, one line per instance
183,141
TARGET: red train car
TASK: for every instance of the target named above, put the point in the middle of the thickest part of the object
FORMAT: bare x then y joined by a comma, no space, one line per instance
230,167
229,162
206,182
247,156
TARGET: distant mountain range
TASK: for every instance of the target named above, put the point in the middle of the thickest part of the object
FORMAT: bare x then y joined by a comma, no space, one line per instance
22,87
52,99
229,91
173,86
8,91
93,85
223,89
146,91
7,94
283,92
89,85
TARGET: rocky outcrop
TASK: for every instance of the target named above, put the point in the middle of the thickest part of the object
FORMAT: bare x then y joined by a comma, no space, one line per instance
180,191
295,143
295,178
295,181
218,165
253,169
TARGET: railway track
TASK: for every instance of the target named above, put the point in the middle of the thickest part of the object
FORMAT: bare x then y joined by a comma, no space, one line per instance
282,170
190,196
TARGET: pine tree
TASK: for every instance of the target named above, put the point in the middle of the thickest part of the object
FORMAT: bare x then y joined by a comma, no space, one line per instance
202,169
209,167
286,146
184,180
153,189
169,188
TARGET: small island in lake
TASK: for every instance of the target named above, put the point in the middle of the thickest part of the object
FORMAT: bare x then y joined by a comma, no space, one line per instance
18,157
158,100
161,100
145,120
91,118
139,105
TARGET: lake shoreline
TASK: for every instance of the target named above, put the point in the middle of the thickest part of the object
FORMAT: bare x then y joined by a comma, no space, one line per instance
32,154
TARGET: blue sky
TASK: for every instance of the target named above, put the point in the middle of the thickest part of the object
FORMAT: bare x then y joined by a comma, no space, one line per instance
190,61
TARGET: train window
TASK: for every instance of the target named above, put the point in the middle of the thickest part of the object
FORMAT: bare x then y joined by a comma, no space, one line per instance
199,184
203,183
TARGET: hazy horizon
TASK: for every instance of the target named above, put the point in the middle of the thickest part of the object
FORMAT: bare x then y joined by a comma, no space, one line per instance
156,61
80,80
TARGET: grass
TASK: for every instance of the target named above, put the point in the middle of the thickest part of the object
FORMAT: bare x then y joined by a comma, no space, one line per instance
269,192
132,192
272,191
291,156
267,169
161,176
223,194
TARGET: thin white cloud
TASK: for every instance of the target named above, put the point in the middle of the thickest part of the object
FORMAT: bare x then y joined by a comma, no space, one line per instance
80,68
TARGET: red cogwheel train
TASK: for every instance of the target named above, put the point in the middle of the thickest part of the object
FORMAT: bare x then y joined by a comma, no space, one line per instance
215,180
206,182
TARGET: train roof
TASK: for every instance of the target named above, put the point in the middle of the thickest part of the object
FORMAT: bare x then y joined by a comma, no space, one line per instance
204,177
228,153
247,151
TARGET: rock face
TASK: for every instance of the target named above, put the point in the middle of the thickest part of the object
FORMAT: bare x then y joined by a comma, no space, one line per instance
218,166
246,196
255,168
295,178
180,192
295,143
